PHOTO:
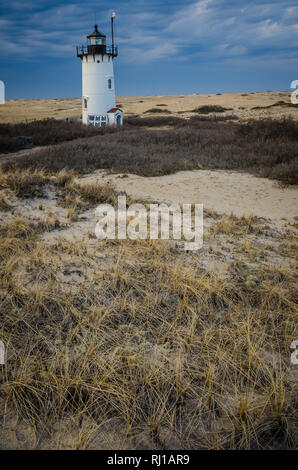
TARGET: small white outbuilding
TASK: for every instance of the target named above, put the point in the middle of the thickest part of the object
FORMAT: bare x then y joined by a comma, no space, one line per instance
115,117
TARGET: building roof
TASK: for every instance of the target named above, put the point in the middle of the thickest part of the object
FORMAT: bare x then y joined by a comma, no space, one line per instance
96,33
113,110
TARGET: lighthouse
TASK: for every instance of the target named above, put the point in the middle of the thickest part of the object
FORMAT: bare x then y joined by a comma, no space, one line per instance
98,86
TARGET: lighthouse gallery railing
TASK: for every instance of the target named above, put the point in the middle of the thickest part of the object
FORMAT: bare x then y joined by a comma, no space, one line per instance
84,50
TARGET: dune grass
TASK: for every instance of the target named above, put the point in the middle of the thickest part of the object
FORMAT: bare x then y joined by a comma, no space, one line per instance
136,344
146,351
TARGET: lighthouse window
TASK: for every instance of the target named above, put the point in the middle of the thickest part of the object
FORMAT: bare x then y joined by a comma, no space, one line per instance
110,83
96,41
85,103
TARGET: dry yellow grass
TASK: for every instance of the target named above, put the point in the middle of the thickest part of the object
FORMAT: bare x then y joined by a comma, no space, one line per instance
241,105
136,344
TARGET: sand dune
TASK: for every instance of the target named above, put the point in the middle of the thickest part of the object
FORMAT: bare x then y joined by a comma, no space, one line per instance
222,191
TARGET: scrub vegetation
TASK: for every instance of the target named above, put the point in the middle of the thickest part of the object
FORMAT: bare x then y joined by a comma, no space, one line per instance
45,132
266,147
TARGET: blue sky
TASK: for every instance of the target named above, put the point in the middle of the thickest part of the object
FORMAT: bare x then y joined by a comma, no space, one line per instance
176,46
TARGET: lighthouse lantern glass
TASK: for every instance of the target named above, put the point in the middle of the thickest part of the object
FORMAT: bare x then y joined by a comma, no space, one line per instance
96,41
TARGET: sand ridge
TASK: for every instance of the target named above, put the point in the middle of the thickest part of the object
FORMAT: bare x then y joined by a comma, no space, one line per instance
224,192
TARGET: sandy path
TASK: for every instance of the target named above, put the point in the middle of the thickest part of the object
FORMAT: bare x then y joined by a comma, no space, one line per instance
225,192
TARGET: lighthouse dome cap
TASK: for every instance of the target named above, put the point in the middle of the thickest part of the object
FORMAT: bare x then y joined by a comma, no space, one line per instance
96,33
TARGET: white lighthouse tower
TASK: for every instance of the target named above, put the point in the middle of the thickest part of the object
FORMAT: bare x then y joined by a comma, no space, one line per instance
98,87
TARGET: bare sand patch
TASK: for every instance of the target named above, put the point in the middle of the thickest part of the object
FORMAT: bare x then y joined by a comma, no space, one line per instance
225,192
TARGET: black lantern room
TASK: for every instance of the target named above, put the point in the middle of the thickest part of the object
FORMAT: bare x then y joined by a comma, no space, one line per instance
97,44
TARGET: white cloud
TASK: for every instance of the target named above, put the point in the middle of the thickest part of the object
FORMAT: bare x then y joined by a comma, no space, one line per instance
268,28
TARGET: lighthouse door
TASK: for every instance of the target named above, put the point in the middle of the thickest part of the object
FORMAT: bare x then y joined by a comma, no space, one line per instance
118,120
